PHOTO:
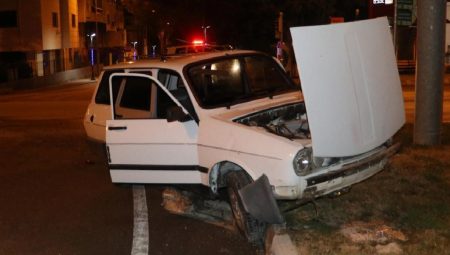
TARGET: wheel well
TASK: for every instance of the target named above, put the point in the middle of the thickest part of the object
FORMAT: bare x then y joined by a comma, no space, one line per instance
219,171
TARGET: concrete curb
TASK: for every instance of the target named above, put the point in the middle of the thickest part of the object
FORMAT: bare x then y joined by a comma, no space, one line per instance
278,242
283,245
56,79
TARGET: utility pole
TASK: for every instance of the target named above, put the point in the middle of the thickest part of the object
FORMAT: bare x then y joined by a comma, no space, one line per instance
430,71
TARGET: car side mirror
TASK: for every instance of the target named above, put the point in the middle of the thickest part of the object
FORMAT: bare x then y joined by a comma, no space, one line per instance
176,113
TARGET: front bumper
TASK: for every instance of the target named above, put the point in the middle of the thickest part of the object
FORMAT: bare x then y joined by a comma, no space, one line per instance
338,176
347,173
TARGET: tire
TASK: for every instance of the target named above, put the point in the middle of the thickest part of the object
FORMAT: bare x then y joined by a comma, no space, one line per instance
250,227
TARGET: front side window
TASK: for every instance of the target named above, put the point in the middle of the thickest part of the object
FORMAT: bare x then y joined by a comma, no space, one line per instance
238,79
170,79
173,82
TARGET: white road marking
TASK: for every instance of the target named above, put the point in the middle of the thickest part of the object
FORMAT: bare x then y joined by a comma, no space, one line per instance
140,229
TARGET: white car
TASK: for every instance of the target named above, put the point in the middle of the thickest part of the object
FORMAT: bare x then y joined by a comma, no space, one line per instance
234,119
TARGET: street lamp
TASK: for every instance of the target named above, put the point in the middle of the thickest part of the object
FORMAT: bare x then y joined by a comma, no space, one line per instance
91,50
204,33
134,50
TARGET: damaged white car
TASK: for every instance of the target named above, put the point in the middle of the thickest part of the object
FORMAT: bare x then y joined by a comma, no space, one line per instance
234,119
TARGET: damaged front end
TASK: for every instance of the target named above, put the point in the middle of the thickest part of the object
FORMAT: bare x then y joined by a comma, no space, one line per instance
318,175
258,200
288,121
332,180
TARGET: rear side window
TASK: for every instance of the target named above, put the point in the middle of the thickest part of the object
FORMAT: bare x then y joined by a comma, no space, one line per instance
102,96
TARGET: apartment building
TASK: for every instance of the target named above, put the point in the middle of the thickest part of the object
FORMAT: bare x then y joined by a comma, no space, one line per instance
42,37
105,19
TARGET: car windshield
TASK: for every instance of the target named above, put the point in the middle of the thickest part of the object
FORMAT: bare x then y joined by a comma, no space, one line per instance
237,79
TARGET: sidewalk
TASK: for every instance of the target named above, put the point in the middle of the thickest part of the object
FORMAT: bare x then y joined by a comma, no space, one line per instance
6,90
46,81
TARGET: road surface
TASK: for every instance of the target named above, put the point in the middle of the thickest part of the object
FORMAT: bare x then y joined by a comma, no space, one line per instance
56,194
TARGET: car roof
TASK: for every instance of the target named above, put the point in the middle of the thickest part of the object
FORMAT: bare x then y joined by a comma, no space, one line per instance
176,62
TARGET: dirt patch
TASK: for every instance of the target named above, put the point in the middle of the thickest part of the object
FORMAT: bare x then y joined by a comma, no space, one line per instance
371,232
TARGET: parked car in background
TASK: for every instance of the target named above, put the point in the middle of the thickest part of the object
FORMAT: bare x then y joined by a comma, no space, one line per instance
196,47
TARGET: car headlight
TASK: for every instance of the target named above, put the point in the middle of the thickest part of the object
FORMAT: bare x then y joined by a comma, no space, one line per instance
303,161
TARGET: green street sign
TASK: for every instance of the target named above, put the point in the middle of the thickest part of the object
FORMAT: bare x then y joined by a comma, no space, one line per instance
405,12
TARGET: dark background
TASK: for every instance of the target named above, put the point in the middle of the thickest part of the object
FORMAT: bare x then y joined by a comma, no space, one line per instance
248,24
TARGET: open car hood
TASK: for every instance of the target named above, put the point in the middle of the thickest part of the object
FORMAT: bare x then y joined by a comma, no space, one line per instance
351,85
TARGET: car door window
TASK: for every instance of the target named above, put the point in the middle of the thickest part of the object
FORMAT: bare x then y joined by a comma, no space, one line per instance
102,96
164,103
140,98
173,82
133,98
170,79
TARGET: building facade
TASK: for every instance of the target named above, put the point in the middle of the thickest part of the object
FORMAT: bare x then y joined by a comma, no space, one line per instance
42,37
105,19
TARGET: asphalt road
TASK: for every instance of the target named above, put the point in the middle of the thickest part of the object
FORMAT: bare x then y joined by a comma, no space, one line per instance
56,196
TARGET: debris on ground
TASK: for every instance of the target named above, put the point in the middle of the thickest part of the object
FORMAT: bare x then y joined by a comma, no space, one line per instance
218,212
188,204
371,232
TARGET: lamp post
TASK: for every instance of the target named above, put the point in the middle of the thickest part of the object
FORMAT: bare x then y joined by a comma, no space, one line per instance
134,50
96,32
204,33
91,51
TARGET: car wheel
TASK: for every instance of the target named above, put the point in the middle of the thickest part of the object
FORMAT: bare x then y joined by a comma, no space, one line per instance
252,228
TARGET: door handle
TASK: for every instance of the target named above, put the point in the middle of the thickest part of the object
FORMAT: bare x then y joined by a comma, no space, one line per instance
117,128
